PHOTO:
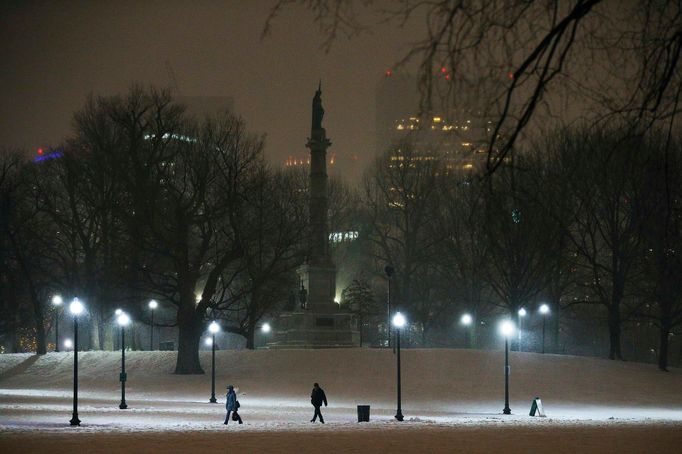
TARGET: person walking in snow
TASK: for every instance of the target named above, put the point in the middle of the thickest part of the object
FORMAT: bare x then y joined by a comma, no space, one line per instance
317,397
232,405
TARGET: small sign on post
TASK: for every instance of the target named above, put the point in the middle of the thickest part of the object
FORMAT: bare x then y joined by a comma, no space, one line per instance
123,376
536,408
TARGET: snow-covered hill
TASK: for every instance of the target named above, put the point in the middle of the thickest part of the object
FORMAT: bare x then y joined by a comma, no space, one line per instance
437,379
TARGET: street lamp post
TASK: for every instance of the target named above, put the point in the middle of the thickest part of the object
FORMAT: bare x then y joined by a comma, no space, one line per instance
398,321
522,313
118,312
389,272
76,308
57,303
152,305
213,328
507,330
123,321
265,329
467,320
544,310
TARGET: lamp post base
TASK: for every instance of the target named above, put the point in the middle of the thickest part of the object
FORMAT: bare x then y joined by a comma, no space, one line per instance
213,400
506,411
123,406
74,420
399,416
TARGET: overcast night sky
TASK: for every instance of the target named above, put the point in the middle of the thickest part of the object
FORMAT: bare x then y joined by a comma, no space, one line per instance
55,53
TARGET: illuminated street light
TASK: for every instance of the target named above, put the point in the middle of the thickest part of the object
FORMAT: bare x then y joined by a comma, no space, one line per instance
522,313
544,310
208,341
118,312
507,330
265,328
152,305
57,302
123,320
213,328
398,322
68,344
466,320
76,308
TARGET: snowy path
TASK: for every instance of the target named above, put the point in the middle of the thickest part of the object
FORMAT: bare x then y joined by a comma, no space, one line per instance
603,407
33,423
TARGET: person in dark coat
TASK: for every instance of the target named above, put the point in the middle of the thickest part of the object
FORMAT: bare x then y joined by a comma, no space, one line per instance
231,405
317,397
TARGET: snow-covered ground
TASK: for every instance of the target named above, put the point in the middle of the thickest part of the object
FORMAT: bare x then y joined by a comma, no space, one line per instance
452,402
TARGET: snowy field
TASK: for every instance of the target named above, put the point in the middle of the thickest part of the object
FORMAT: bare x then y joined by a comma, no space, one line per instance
452,402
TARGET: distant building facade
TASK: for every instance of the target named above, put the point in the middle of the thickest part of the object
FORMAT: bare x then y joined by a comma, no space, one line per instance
459,136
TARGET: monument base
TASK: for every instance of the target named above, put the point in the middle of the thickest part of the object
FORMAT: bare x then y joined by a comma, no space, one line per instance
306,329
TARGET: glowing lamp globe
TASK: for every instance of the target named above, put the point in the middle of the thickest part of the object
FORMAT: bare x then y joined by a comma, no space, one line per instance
507,328
118,312
57,300
68,343
153,304
213,327
208,341
265,328
522,312
544,309
399,320
123,319
466,320
76,307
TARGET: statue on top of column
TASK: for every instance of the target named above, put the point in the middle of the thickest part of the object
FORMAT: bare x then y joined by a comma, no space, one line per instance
318,111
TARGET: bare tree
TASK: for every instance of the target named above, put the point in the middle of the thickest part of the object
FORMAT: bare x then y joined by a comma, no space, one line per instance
184,186
26,233
663,236
400,197
522,238
271,226
607,184
615,58
464,252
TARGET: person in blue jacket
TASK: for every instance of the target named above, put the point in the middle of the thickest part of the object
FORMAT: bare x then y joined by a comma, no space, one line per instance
232,405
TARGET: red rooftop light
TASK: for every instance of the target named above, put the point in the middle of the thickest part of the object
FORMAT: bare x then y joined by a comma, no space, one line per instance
40,151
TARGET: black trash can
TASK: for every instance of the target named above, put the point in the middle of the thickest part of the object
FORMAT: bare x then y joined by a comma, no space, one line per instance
363,413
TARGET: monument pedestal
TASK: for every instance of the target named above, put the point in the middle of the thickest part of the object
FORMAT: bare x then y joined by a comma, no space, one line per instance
305,329
322,324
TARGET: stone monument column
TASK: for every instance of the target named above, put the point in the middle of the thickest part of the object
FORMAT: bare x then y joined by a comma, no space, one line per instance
318,274
321,324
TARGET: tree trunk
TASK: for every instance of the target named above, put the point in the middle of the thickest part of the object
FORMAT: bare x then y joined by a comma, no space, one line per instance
614,332
251,328
251,338
556,327
189,329
663,346
100,327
